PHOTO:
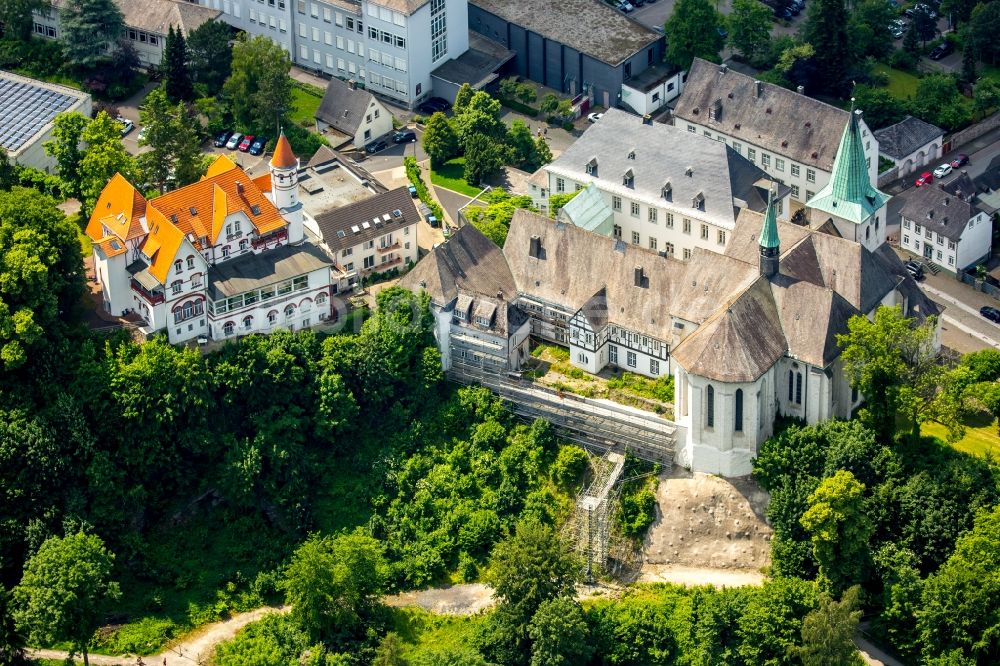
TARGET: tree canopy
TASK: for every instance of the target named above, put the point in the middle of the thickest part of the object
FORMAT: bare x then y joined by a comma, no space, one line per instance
826,30
104,157
88,27
259,90
693,31
176,76
209,55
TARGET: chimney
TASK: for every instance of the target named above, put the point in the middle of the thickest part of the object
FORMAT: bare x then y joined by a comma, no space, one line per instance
723,68
239,187
946,199
535,247
638,276
647,119
800,90
759,87
352,84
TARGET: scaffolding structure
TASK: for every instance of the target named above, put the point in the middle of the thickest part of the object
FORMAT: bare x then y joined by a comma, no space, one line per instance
589,528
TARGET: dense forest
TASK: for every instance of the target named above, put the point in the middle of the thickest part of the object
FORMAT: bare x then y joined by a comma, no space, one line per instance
151,489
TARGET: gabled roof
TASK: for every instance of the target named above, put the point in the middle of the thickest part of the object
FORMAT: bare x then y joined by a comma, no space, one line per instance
588,210
157,16
468,261
909,134
367,219
850,194
939,210
343,107
161,244
120,208
661,156
774,118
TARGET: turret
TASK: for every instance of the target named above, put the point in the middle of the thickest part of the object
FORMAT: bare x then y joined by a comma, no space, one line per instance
285,187
770,248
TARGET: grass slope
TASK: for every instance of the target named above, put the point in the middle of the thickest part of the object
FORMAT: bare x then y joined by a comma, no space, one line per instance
451,175
980,439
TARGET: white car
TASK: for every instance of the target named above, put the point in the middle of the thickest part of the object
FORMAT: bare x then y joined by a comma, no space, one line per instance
942,170
127,125
594,117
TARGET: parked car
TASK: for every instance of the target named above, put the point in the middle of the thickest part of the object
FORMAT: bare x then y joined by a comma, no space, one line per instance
257,147
404,136
914,269
221,138
412,190
625,6
896,31
127,125
941,50
234,141
594,117
246,143
434,105
942,170
376,146
990,313
959,161
927,9
925,178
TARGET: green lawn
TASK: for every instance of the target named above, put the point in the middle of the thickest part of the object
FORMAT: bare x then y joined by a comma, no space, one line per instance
980,435
305,102
901,84
452,176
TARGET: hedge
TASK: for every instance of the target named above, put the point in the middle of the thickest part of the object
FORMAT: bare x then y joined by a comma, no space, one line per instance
413,173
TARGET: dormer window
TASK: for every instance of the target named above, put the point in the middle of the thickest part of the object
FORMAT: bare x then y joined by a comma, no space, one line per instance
699,201
628,180
715,111
592,166
667,192
631,154
193,211
689,172
483,321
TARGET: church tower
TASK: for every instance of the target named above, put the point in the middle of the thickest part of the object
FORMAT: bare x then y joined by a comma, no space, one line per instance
285,188
850,201
770,248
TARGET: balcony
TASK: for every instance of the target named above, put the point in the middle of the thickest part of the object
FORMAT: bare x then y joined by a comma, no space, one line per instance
275,237
151,297
390,248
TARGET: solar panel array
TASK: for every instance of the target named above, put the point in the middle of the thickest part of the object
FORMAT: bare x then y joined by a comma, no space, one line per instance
25,109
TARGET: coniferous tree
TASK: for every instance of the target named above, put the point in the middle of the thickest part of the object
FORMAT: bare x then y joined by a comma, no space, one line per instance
89,26
175,67
968,64
826,29
209,56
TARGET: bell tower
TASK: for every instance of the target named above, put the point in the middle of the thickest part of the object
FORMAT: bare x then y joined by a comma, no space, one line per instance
285,187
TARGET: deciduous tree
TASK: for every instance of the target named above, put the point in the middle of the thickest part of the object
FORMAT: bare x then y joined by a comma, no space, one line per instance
750,29
104,157
484,158
462,98
62,595
15,16
67,137
840,529
11,640
828,631
333,583
156,164
259,90
440,141
881,107
693,31
7,176
826,29
88,27
869,28
559,634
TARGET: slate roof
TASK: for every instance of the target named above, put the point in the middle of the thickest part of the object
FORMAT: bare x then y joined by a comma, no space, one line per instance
909,134
255,270
468,261
590,27
990,178
342,108
157,16
692,165
939,210
778,120
849,194
367,219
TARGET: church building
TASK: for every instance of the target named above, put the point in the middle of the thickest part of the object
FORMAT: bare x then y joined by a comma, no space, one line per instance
225,256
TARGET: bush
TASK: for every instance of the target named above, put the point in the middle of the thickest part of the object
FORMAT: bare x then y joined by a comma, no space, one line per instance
43,182
520,107
143,637
568,126
413,173
570,465
638,511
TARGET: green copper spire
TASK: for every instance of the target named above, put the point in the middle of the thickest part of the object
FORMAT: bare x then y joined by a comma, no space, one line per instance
850,194
769,233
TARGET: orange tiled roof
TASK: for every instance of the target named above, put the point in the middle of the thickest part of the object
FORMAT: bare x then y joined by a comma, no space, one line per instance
111,247
263,181
240,194
119,208
220,165
166,239
283,157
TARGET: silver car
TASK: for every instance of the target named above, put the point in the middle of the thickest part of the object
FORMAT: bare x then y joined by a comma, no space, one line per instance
234,141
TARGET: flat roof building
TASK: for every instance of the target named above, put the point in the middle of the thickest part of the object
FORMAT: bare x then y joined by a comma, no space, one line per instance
28,109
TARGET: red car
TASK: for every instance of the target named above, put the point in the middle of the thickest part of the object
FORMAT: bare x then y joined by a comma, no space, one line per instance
925,178
959,161
246,143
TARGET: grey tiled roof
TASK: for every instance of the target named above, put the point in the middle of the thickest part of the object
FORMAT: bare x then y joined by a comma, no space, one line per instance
157,16
343,108
468,262
588,26
367,219
899,140
693,165
779,120
256,270
939,210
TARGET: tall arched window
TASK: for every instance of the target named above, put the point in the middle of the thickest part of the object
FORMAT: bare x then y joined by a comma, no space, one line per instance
798,388
738,418
710,407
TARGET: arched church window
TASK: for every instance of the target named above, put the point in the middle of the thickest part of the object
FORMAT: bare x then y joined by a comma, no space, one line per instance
738,418
710,407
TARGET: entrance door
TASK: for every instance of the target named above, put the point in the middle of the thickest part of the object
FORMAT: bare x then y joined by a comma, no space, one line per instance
928,251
